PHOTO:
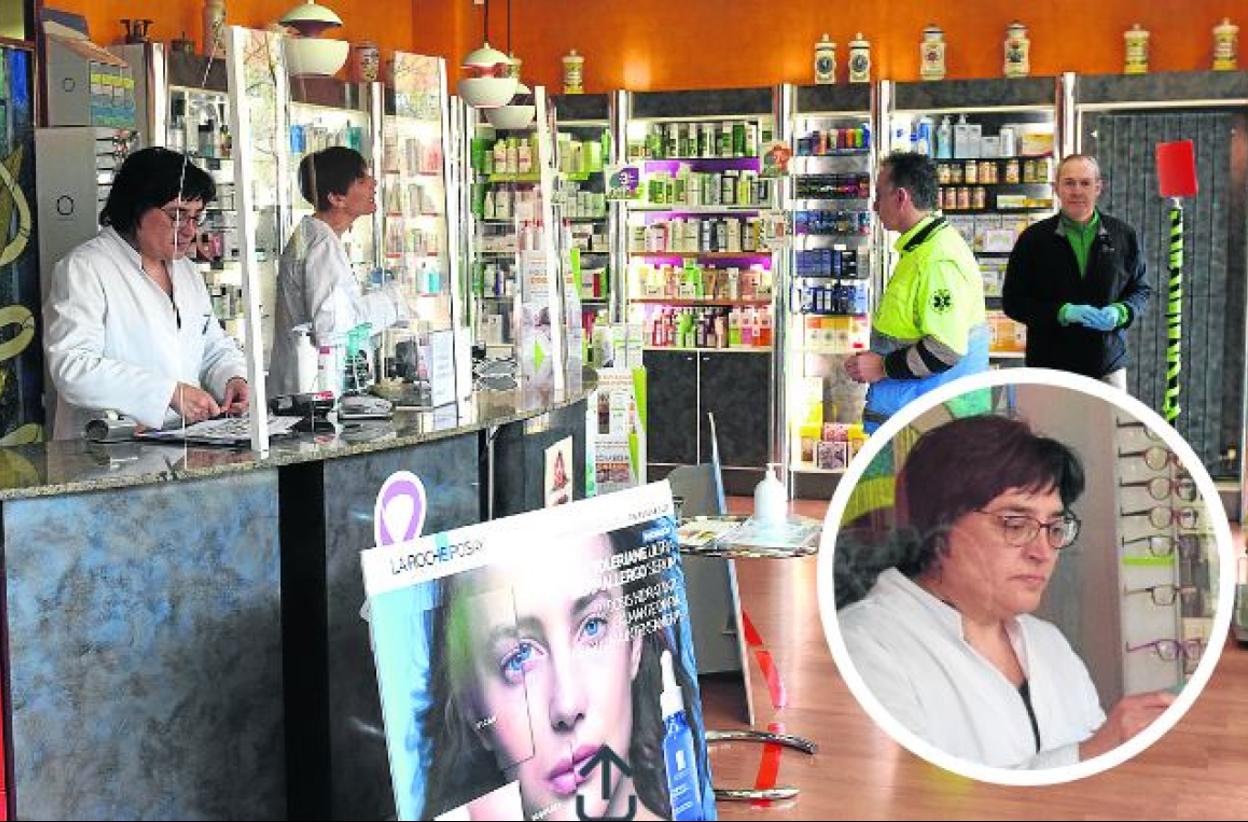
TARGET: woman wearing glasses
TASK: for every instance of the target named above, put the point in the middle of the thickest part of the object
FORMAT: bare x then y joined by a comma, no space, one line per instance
945,640
129,324
316,286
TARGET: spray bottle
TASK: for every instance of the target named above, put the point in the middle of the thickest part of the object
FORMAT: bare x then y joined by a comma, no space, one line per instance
678,758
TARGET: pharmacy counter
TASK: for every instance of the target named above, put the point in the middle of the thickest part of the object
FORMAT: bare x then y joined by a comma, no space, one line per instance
183,625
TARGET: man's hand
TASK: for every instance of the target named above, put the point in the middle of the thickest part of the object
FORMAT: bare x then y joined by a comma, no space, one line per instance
1130,716
237,397
865,366
193,404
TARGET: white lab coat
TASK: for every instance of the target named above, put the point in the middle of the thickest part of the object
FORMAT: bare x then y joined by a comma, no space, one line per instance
115,341
316,287
909,649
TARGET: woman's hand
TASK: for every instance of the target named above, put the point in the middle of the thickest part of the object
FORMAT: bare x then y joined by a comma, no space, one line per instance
194,404
237,397
1130,716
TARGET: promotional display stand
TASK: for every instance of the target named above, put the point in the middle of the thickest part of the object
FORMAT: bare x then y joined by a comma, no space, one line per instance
509,692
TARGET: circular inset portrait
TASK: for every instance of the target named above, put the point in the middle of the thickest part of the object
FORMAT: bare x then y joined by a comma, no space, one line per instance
1031,593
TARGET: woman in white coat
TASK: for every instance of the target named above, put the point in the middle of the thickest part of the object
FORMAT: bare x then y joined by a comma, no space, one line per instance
129,326
945,639
316,287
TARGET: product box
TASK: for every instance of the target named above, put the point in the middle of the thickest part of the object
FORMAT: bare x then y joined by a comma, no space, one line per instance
964,224
985,226
990,146
1007,201
1035,143
835,432
832,455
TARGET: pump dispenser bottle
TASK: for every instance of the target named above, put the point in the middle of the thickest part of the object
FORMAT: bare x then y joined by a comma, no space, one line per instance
678,758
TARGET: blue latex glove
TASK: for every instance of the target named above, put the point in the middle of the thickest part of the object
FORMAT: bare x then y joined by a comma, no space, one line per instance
1113,315
1103,319
1085,315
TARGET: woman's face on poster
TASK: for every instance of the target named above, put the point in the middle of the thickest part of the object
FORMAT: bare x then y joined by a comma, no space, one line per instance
553,668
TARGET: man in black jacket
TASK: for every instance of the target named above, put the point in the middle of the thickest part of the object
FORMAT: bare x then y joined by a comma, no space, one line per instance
1077,281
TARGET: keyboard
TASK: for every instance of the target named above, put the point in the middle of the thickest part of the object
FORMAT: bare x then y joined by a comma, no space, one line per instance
222,431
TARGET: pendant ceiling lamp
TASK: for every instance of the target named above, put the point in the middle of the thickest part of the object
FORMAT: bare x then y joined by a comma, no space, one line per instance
520,110
487,81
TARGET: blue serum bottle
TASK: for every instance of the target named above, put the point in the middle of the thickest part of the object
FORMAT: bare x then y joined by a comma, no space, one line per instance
682,772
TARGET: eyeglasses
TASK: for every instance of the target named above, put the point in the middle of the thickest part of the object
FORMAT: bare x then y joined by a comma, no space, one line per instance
1171,649
1163,545
1161,487
1162,517
1020,529
1155,457
180,217
1163,595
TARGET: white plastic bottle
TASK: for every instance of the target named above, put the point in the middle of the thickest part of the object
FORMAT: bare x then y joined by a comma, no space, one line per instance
771,503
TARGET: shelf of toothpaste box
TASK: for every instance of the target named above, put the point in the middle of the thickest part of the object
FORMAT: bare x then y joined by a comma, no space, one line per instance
692,282
705,140
700,234
682,187
706,328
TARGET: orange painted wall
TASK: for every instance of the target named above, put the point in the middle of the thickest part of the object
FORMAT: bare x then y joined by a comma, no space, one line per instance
674,44
389,23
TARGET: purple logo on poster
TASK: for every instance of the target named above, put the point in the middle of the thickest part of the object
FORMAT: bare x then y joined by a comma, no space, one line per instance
625,182
400,509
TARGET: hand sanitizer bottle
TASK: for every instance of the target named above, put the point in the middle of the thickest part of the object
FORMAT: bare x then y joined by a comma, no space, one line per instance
678,758
770,498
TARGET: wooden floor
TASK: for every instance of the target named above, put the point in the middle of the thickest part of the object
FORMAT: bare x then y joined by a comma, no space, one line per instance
1199,770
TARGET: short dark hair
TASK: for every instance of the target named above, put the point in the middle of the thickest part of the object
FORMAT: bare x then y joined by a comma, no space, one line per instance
149,178
991,454
915,173
329,171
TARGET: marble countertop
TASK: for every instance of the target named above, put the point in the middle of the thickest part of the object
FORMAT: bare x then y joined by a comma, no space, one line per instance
78,466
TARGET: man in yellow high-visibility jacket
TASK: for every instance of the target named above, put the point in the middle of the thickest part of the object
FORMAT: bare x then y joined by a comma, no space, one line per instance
930,326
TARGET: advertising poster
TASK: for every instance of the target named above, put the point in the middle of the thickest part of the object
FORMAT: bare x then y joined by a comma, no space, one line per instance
558,482
617,421
511,692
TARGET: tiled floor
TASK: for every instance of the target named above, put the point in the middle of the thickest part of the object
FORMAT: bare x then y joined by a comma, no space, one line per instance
1199,770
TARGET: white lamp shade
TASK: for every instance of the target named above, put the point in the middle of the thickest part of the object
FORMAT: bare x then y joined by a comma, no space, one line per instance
511,116
487,92
487,59
310,19
315,56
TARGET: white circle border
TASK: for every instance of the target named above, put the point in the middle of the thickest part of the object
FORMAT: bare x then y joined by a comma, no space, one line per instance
1225,571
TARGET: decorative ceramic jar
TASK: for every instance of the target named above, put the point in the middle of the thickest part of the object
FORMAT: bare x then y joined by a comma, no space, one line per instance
573,73
859,59
932,53
1225,35
825,61
1137,50
1017,46
214,28
365,62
